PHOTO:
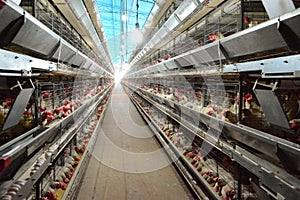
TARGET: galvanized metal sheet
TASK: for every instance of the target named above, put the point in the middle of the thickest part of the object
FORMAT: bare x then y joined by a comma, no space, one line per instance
42,41
170,64
183,61
208,53
18,108
281,65
14,61
65,51
252,137
272,108
254,40
275,8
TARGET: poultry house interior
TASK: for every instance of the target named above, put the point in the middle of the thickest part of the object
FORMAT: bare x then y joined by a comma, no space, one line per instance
149,99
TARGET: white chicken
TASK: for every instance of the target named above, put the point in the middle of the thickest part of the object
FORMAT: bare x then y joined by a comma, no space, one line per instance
165,126
187,149
227,191
190,104
218,185
178,139
226,104
250,22
167,92
68,170
170,97
182,99
58,185
197,106
154,89
61,177
235,107
49,193
210,110
171,127
215,36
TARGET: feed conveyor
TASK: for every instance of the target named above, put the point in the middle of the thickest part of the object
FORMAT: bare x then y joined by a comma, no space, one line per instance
19,28
247,43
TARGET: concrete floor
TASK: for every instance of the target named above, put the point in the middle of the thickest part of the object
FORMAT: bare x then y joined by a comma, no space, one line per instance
127,162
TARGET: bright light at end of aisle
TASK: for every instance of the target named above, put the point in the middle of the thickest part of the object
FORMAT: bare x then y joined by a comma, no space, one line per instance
119,75
126,66
121,71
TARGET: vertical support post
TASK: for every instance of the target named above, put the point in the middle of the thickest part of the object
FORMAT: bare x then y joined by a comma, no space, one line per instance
239,187
34,8
52,96
240,95
205,103
54,172
242,15
36,99
38,190
217,169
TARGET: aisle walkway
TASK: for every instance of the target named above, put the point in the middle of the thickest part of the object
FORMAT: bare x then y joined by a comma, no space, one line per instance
127,162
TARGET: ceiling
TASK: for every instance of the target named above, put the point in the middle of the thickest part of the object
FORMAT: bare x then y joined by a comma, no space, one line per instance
111,12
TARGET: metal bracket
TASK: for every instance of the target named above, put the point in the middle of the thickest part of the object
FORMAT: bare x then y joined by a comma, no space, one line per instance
275,86
17,109
224,52
71,58
177,64
290,37
254,86
32,84
54,49
271,107
286,160
11,30
19,84
83,63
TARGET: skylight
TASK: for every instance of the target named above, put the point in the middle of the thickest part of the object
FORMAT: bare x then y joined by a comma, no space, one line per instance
111,14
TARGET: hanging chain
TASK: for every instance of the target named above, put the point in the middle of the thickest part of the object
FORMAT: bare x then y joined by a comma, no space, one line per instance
137,14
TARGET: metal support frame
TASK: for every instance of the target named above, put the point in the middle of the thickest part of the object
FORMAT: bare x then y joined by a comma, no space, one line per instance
239,186
71,58
240,108
54,49
224,52
36,103
34,7
282,67
242,14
